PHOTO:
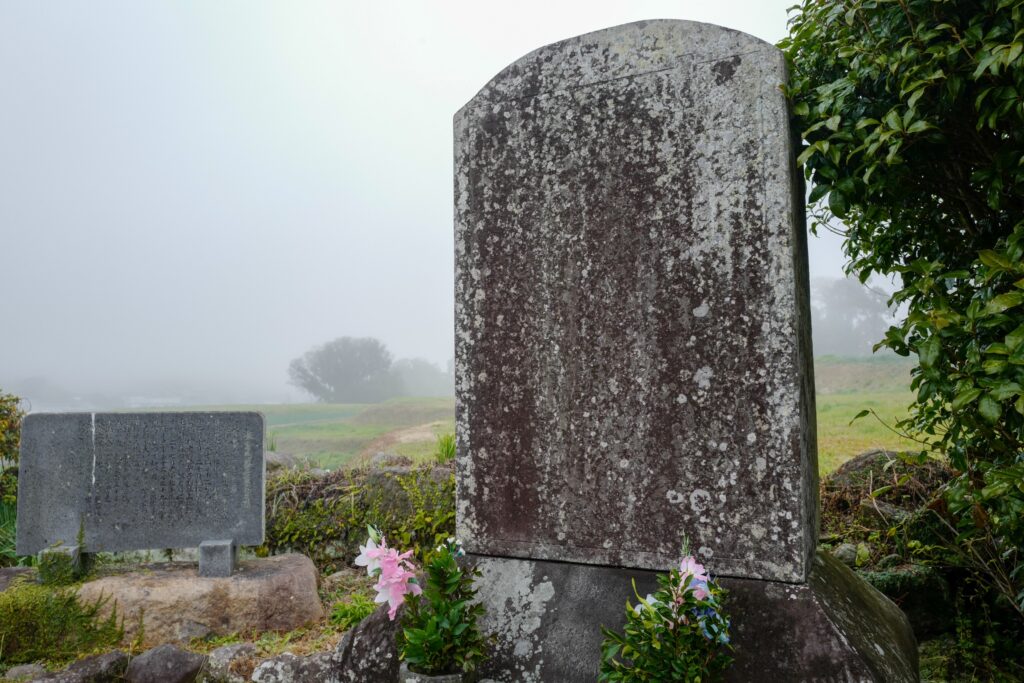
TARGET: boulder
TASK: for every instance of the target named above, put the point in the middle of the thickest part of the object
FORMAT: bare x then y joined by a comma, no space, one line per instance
230,664
25,672
105,668
277,460
847,554
368,653
172,603
165,664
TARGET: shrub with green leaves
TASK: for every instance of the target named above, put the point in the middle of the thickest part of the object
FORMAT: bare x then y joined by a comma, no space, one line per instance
913,116
440,634
325,516
11,415
679,633
42,623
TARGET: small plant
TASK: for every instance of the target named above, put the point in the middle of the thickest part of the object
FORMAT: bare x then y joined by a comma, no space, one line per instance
677,634
43,623
445,451
440,634
272,443
347,613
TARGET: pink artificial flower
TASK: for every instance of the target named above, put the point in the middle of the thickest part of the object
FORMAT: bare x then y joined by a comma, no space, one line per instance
370,554
397,578
690,567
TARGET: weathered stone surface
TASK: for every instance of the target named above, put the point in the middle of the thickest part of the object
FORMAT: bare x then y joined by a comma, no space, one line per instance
367,653
165,664
288,668
9,575
833,628
175,604
130,481
217,558
25,672
104,668
230,664
407,676
632,351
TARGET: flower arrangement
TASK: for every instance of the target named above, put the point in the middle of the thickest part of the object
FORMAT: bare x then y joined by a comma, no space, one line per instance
440,634
679,633
396,574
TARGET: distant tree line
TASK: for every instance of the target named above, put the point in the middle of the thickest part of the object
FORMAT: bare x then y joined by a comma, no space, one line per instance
361,370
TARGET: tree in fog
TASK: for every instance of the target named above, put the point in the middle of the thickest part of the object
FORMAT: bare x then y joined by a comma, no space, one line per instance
847,318
346,370
419,377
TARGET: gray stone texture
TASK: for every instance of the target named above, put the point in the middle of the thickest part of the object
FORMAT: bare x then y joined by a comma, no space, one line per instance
632,339
171,603
165,664
230,664
833,628
130,481
217,558
109,667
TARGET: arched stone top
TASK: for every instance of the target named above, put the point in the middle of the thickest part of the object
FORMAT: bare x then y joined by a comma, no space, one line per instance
618,52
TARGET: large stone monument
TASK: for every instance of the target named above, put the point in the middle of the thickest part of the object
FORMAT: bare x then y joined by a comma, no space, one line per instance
633,357
134,481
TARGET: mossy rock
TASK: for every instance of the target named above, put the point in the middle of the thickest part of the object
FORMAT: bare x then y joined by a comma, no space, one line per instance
923,594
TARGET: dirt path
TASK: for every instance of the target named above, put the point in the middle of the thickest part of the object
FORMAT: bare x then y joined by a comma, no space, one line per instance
419,433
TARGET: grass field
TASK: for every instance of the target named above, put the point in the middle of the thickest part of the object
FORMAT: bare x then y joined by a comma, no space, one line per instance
332,436
846,386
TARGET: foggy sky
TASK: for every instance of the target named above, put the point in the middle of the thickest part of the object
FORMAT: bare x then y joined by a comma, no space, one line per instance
201,191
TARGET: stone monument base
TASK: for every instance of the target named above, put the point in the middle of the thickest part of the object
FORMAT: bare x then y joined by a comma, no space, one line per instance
835,627
174,604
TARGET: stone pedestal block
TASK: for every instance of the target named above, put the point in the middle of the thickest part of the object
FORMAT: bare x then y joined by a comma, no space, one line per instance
834,627
217,558
173,604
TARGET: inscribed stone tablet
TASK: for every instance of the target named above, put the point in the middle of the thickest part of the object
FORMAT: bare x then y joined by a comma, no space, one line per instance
632,351
133,481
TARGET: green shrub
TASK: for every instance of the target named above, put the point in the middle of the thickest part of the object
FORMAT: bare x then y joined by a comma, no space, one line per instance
43,623
325,517
440,634
914,125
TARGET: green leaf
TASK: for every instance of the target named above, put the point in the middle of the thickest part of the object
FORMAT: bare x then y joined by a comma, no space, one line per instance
965,397
1004,302
989,408
928,352
837,203
818,192
994,259
1014,339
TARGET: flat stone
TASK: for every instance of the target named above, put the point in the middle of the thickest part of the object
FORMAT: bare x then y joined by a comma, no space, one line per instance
633,353
175,604
135,481
165,664
832,628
